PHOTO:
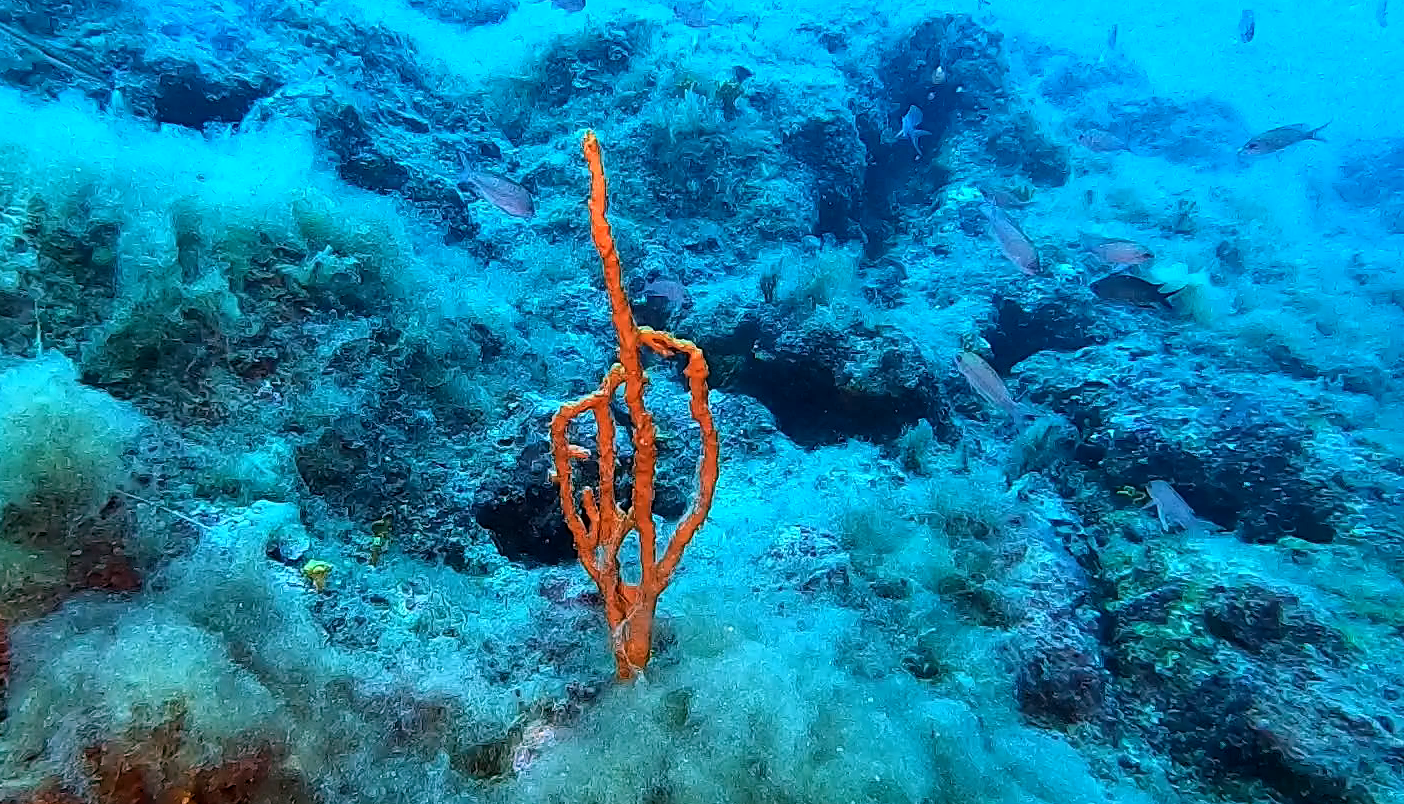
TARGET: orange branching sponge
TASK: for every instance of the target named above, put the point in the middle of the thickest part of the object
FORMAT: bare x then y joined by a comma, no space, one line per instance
599,534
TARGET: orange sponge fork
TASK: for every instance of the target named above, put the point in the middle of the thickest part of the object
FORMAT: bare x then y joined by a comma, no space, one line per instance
600,532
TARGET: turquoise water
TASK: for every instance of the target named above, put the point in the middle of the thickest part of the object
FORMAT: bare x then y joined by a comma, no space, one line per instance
560,401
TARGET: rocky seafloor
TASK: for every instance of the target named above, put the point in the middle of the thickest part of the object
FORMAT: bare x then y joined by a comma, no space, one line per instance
278,516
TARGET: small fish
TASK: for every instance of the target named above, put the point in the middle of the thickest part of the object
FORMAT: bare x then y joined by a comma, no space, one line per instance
1117,251
1111,44
535,737
1012,241
910,121
1382,13
503,193
1247,26
1102,142
987,383
118,105
569,5
1132,289
1172,510
1000,197
1279,138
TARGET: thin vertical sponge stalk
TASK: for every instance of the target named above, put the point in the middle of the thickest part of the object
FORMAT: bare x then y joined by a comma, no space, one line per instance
600,532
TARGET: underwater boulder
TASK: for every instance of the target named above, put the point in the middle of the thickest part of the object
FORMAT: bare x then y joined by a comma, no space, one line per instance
1061,677
824,383
1111,101
1019,144
926,67
1372,177
1236,458
834,159
471,13
1236,727
1034,322
1249,678
519,507
525,523
1262,620
1062,683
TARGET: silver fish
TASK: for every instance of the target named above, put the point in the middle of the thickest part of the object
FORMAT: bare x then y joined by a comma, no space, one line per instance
1016,245
1281,137
1111,44
910,131
500,191
1247,26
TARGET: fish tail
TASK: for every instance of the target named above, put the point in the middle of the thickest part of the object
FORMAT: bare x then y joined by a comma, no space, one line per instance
1165,298
1314,134
1022,413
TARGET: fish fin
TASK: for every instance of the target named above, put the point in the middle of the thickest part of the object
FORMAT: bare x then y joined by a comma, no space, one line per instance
919,133
467,189
1312,135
